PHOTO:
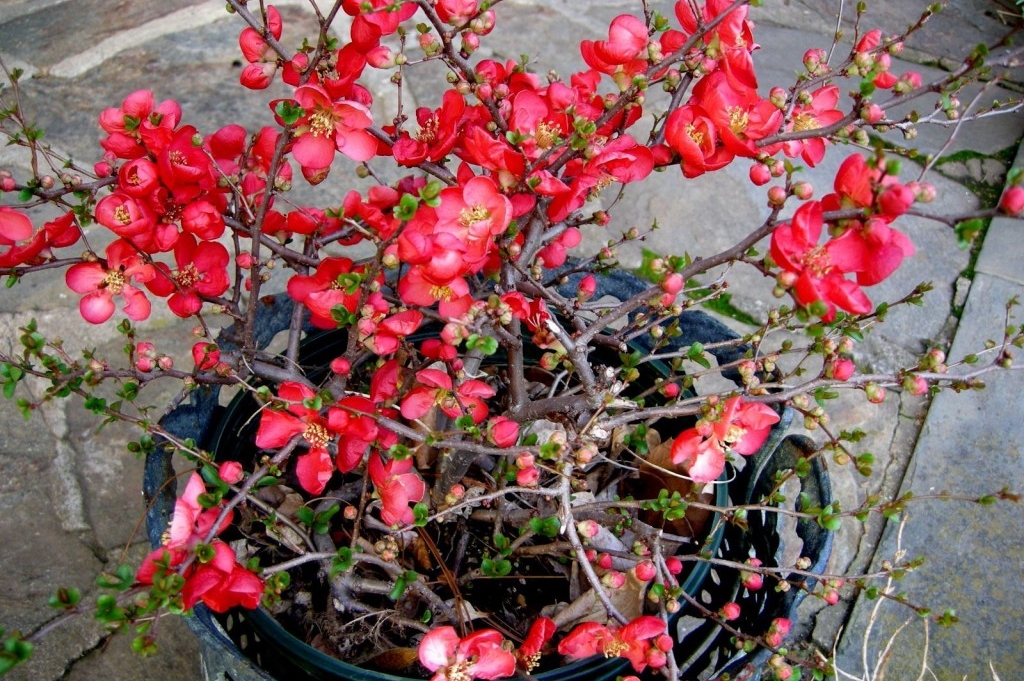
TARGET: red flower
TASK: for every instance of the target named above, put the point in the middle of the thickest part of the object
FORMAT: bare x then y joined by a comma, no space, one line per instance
30,246
360,431
205,355
328,126
397,486
693,135
474,212
222,583
386,336
820,113
818,271
540,633
191,523
739,426
623,52
202,271
139,125
741,117
127,217
101,283
620,160
276,428
437,134
435,390
642,641
479,655
186,169
326,289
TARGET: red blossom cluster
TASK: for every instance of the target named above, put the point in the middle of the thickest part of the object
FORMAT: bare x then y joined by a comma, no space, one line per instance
209,567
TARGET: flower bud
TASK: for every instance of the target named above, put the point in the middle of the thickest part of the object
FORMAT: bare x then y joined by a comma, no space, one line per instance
502,431
730,611
840,369
915,385
206,355
231,472
101,169
341,366
585,453
776,197
875,393
645,571
672,284
752,580
760,174
527,477
588,529
587,288
803,190
613,579
1012,201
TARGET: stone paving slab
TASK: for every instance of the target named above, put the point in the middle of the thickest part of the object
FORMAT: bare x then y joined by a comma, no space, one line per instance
970,444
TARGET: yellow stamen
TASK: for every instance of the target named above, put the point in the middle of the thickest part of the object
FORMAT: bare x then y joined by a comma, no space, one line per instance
122,215
805,121
187,275
114,281
694,134
442,293
316,435
738,120
473,214
321,124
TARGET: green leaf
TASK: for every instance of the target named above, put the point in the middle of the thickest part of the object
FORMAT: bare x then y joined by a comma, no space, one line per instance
401,584
289,111
406,208
502,543
420,514
121,579
305,516
342,561
549,527
967,230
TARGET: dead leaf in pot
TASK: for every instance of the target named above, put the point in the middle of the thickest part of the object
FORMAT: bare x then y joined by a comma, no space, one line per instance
657,472
627,599
395,661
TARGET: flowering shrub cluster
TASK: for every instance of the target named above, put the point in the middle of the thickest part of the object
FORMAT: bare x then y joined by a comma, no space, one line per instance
413,428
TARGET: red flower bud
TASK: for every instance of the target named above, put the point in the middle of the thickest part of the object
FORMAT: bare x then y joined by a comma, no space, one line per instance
231,472
729,611
645,571
206,355
1012,202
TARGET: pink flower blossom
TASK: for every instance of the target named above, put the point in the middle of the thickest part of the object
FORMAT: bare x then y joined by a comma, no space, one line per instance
124,269
397,486
479,655
739,426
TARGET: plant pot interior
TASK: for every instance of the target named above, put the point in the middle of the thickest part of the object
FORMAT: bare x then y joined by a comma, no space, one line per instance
457,560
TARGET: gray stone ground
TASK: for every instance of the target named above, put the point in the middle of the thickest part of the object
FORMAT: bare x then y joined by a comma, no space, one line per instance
63,519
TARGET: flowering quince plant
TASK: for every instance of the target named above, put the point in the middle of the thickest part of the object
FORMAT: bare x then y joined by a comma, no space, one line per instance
484,412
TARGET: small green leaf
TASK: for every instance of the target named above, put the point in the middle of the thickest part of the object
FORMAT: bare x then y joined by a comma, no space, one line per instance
549,527
420,514
289,111
342,561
